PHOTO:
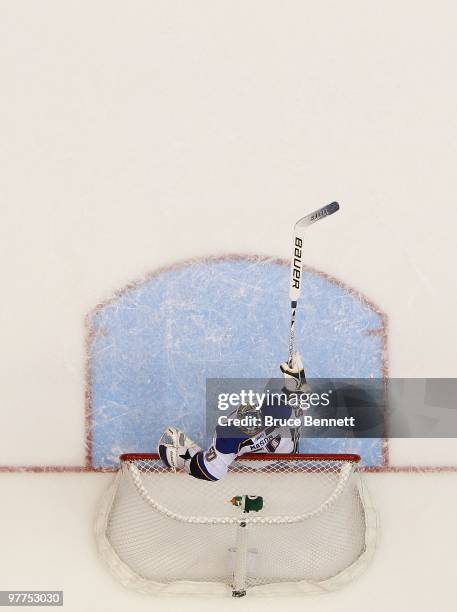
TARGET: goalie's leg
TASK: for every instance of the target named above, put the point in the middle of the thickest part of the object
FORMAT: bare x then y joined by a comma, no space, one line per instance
176,449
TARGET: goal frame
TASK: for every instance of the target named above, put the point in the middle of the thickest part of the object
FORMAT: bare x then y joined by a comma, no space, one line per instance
131,579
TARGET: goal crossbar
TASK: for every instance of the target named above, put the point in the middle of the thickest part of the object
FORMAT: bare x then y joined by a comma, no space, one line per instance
351,457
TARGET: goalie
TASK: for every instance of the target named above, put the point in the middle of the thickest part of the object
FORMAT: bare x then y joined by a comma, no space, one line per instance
179,452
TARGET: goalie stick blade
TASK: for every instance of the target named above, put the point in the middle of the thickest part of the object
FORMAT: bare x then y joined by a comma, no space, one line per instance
296,268
317,215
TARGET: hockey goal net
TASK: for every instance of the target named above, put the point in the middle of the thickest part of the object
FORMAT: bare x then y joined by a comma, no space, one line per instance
310,526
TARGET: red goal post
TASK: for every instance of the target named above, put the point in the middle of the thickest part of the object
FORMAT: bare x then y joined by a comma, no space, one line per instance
351,457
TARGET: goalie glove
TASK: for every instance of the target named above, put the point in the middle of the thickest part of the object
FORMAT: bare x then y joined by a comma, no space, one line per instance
176,449
294,376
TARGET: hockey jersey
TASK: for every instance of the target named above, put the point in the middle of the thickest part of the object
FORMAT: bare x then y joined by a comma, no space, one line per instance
231,442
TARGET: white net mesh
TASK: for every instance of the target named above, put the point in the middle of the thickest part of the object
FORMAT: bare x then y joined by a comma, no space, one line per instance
164,531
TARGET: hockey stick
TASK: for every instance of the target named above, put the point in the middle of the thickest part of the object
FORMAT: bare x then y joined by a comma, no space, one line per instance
296,268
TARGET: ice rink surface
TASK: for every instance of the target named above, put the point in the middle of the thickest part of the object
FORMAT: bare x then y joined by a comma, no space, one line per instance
152,347
139,137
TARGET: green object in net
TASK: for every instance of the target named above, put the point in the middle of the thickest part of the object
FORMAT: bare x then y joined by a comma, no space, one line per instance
248,503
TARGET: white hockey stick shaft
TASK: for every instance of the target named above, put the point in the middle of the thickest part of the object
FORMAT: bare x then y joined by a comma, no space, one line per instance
296,267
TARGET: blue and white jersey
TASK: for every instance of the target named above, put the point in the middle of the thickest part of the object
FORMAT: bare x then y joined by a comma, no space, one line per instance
231,441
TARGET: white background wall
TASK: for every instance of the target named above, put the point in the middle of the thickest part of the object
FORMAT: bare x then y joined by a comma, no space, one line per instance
137,134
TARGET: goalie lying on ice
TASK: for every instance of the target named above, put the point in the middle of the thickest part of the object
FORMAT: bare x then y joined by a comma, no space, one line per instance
179,452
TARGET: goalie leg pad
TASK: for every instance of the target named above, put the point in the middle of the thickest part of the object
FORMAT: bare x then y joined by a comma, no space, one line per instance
176,449
164,452
176,437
